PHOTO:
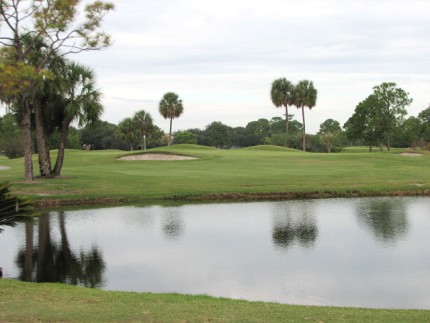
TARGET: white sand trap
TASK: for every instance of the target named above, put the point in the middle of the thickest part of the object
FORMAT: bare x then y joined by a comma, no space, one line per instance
4,167
411,154
156,157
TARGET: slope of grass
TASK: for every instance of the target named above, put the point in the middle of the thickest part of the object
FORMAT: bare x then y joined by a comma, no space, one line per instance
253,171
29,302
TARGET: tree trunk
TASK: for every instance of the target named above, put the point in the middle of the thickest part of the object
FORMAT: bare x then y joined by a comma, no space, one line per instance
286,126
28,143
61,148
304,129
389,141
170,132
43,248
28,258
42,148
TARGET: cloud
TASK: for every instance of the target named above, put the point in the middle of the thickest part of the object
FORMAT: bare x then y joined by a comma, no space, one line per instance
222,56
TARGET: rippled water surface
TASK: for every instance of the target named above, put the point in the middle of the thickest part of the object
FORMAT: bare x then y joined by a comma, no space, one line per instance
368,252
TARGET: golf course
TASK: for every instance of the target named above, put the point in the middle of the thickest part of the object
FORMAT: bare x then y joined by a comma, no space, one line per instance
164,174
253,173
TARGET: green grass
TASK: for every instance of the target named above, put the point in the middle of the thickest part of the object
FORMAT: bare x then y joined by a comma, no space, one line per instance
254,172
31,302
261,171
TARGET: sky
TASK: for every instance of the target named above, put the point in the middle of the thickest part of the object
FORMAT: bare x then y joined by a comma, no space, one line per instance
221,56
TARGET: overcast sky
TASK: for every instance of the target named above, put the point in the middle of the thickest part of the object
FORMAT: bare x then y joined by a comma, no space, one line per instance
221,56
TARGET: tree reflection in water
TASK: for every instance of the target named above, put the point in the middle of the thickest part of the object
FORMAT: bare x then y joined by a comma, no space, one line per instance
294,222
385,217
52,261
172,223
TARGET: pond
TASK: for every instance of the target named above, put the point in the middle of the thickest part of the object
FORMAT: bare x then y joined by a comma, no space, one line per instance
367,252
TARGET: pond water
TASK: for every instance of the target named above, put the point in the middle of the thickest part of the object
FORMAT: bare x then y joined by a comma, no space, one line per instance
367,252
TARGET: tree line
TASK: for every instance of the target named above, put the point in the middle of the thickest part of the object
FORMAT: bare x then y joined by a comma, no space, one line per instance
139,131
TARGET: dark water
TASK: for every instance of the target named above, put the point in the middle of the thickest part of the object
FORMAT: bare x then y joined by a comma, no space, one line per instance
370,252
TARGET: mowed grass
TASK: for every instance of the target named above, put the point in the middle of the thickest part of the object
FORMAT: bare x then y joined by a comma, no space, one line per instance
255,170
252,171
30,302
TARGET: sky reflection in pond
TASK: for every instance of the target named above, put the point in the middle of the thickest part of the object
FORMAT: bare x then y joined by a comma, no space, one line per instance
369,252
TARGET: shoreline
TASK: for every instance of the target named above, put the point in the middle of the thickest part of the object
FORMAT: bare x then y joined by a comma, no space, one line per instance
224,197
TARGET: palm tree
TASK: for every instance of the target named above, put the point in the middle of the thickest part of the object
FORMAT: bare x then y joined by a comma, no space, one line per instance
170,107
305,95
143,122
127,131
282,95
82,102
37,55
12,208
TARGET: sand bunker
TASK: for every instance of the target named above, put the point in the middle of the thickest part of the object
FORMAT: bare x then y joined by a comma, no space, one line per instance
156,157
411,154
4,167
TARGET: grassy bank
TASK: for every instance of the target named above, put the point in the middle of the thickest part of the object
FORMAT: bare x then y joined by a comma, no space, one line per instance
30,302
255,172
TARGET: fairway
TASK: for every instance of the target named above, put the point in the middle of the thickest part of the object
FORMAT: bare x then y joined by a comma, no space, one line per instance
261,172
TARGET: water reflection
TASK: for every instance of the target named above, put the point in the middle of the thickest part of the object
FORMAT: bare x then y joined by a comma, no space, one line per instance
293,223
321,252
172,222
52,261
386,218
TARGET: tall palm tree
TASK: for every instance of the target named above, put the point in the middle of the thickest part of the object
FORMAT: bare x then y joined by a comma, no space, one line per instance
36,49
143,122
282,95
170,107
127,132
82,103
305,95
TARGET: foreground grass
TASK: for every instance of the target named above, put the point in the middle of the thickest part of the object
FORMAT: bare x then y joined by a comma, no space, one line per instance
263,170
30,302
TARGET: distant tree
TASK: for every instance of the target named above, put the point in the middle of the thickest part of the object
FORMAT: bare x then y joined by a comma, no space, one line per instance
391,103
424,119
329,140
73,139
243,137
329,134
277,125
305,95
158,138
282,94
171,107
364,124
127,132
331,126
184,137
217,134
143,122
101,135
259,129
408,134
10,137
295,134
199,135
